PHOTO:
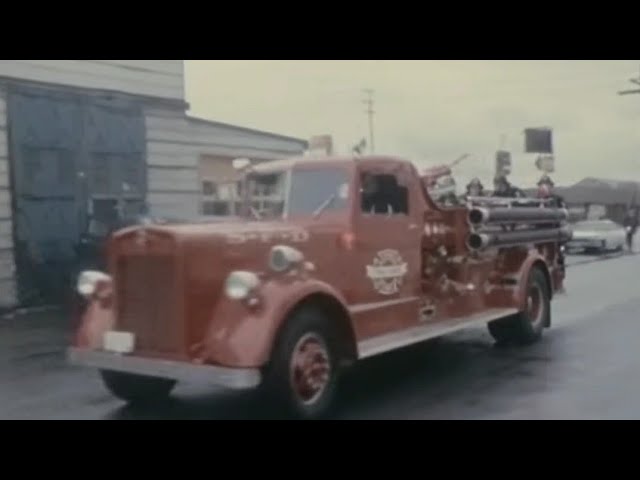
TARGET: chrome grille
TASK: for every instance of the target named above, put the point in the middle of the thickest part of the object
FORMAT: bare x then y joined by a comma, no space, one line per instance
147,293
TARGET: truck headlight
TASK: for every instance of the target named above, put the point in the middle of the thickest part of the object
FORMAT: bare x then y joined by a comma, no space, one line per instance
239,285
283,257
89,281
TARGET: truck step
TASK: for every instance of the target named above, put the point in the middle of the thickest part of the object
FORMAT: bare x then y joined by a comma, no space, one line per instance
391,341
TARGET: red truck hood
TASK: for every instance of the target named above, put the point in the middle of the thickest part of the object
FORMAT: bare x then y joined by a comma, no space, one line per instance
169,278
235,233
232,237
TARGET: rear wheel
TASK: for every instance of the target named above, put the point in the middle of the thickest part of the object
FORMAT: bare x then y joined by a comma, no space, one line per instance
136,389
301,378
527,326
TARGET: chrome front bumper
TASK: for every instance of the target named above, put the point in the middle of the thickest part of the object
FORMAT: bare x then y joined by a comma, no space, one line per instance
577,244
235,378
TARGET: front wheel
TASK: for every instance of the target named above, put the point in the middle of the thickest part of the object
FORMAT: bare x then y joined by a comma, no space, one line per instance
527,326
136,389
301,377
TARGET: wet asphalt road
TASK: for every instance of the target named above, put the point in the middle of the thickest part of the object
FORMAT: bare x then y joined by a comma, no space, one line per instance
586,367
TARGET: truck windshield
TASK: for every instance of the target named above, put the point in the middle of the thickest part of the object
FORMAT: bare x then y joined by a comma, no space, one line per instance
310,192
318,190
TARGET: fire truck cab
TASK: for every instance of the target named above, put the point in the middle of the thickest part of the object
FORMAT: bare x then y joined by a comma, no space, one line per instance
334,260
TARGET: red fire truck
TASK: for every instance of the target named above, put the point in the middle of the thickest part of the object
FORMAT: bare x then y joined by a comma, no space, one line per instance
333,260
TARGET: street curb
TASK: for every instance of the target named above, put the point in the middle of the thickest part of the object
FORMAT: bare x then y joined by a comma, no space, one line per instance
603,258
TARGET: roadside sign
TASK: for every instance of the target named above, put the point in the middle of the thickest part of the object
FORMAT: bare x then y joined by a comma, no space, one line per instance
538,140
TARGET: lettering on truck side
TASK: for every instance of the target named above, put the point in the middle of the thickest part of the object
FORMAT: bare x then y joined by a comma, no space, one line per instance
296,236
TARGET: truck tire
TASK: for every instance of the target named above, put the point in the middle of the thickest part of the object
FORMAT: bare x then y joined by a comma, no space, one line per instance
301,377
136,389
526,327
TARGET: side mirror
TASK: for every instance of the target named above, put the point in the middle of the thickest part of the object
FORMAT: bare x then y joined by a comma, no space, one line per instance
241,163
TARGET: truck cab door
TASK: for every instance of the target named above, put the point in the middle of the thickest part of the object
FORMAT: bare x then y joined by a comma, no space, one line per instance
388,229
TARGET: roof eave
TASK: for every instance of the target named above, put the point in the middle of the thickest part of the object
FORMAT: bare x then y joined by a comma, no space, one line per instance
213,123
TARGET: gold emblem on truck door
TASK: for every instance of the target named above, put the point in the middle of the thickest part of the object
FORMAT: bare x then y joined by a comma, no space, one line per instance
387,272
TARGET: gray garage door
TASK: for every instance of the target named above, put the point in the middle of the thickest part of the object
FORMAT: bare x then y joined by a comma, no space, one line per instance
67,152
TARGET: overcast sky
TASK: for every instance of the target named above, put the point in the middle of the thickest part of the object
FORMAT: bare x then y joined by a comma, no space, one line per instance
435,111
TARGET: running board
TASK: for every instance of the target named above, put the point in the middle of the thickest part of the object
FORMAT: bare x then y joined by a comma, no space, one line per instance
392,341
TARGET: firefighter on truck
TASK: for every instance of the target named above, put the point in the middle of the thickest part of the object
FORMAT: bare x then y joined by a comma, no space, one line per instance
334,260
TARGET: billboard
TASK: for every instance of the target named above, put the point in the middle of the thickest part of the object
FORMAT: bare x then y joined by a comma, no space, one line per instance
503,163
538,140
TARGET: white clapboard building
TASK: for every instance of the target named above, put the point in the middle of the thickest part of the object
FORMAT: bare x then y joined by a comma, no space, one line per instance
77,136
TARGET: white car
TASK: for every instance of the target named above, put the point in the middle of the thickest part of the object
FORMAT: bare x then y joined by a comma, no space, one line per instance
597,235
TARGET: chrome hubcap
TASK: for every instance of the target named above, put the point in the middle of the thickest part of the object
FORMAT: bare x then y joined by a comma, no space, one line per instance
310,368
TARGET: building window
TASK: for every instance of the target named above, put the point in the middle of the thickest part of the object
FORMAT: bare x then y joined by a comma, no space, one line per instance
215,208
220,198
208,188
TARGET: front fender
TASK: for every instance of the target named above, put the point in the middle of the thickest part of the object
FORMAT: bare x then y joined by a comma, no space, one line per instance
243,336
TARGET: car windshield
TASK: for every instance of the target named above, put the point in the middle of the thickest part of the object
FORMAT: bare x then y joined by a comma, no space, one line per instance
595,225
307,192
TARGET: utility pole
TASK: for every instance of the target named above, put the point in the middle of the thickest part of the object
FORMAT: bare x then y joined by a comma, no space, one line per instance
503,141
635,81
369,103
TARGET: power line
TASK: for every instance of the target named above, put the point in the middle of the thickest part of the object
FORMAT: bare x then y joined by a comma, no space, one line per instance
635,81
369,103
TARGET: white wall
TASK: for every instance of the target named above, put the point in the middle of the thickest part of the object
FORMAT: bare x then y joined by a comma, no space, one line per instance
168,161
175,144
154,78
7,282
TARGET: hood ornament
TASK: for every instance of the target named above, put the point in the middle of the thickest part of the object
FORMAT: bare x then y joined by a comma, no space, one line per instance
141,237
